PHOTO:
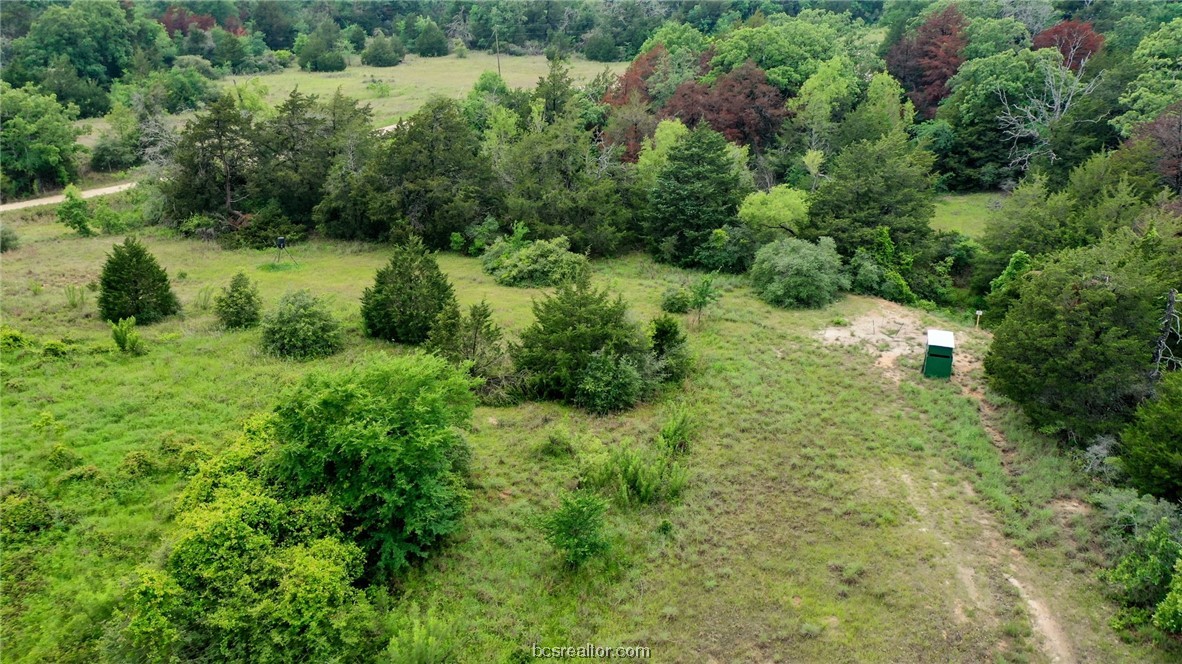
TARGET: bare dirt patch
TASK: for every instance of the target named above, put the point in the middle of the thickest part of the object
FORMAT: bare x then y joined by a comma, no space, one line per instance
889,333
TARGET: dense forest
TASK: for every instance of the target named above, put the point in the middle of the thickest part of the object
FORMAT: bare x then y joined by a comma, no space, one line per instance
799,144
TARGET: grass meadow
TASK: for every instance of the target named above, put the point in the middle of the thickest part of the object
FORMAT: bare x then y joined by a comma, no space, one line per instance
966,213
832,513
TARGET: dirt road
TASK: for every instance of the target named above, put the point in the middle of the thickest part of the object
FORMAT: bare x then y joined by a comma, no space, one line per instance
50,200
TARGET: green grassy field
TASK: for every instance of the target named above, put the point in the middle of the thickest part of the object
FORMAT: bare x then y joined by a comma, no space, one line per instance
965,213
840,508
413,82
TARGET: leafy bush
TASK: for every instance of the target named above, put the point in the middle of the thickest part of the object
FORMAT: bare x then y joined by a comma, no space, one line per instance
795,273
301,327
678,431
381,439
570,328
74,213
383,51
869,277
329,61
1126,517
55,348
538,263
473,340
126,338
8,239
676,300
670,348
239,306
421,639
109,221
25,513
637,475
407,296
576,528
1141,579
1168,616
262,230
703,294
727,249
609,384
133,285
1153,442
62,457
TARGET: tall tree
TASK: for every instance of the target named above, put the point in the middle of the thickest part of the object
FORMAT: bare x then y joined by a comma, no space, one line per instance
37,141
696,192
212,161
888,183
926,61
1077,41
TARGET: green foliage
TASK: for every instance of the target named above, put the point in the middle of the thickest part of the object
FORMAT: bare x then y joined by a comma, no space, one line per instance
380,439
696,191
790,51
1153,441
431,41
1168,616
795,273
1142,577
703,294
23,513
1074,349
75,296
473,340
638,475
383,51
728,249
609,384
576,528
1003,291
74,213
678,431
239,306
1126,517
407,296
1156,85
301,327
421,638
9,240
779,208
676,300
670,348
573,328
871,184
516,262
133,285
126,338
37,141
262,229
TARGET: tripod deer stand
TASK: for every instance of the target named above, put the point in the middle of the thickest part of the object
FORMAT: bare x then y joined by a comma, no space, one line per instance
281,250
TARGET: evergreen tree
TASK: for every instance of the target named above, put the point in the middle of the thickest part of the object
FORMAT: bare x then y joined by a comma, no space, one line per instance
431,41
407,296
696,192
473,338
134,285
1153,442
383,51
239,306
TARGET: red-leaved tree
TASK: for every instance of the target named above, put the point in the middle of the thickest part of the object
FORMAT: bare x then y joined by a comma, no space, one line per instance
742,106
179,19
632,85
925,61
1076,40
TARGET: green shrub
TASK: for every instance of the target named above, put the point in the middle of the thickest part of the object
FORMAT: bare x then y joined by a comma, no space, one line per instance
239,306
637,475
109,221
54,348
609,384
8,239
533,264
1142,577
421,638
79,474
133,285
576,528
22,513
678,431
1168,616
1153,442
301,327
570,328
74,212
727,249
473,340
329,61
63,458
795,273
1125,517
13,339
381,439
383,51
407,296
138,463
262,230
670,348
675,300
126,338
703,294
75,296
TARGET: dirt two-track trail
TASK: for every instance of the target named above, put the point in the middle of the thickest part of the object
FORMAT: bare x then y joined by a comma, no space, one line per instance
986,561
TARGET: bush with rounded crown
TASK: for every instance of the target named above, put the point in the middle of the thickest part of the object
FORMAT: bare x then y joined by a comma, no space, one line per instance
239,306
407,296
302,328
133,285
796,273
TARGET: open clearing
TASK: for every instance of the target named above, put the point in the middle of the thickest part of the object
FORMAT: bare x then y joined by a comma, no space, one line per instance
840,507
966,213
